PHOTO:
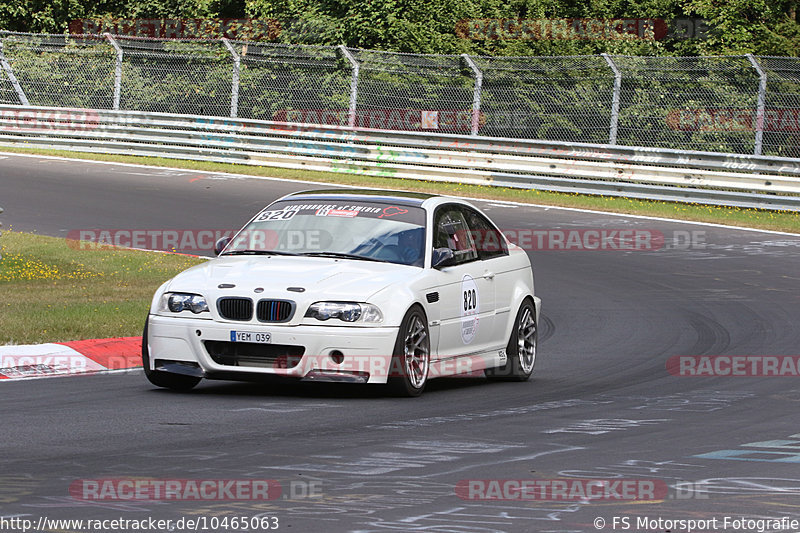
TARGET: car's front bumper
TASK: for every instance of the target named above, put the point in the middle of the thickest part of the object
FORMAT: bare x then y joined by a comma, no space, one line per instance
329,353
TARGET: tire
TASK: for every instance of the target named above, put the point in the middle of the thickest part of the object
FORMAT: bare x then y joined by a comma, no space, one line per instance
521,349
166,380
411,359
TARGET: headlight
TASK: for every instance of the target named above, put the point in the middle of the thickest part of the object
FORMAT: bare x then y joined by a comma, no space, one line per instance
345,311
177,302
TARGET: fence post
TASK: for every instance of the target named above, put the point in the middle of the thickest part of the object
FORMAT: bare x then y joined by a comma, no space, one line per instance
476,94
117,71
237,61
761,105
351,118
612,131
13,79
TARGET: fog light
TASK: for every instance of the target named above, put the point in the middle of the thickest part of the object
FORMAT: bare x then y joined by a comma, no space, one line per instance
337,357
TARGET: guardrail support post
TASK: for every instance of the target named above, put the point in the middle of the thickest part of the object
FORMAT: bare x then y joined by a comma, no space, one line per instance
13,79
117,71
351,117
761,105
476,94
237,62
612,130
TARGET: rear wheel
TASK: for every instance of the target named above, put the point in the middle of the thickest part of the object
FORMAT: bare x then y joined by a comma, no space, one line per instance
411,359
521,349
168,380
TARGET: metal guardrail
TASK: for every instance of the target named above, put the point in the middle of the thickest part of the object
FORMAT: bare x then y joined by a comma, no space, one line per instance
647,173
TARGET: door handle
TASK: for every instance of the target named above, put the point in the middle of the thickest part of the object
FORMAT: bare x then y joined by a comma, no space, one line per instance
488,275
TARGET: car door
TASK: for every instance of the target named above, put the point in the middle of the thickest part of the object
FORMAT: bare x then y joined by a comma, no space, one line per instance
496,266
467,296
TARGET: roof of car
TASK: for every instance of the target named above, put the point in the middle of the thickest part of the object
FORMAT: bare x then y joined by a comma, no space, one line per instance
395,197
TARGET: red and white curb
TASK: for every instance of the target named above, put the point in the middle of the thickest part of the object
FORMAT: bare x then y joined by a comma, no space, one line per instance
67,358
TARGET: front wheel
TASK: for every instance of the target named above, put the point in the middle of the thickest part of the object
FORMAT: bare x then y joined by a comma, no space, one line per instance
167,380
521,349
411,359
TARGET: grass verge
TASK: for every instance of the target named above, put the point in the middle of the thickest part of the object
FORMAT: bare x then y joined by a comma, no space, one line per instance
54,292
787,221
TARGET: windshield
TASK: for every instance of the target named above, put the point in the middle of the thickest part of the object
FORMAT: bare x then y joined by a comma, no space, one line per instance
363,230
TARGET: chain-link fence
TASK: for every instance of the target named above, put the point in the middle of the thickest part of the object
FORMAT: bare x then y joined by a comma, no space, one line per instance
563,98
700,103
413,92
60,71
781,105
740,104
292,83
175,76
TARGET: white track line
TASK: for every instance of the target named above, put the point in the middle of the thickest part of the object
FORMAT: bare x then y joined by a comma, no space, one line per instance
502,202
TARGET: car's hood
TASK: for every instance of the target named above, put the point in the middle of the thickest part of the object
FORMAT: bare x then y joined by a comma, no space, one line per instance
333,279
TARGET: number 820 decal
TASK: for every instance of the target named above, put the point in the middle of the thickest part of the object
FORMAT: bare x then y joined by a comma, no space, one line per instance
470,300
469,308
275,215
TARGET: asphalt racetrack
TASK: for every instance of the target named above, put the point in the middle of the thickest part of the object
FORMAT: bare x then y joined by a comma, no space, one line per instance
602,405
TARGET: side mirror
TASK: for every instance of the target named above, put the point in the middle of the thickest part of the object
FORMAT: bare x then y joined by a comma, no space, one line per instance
221,244
442,257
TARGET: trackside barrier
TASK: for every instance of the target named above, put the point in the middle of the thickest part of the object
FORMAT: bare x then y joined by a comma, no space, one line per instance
750,181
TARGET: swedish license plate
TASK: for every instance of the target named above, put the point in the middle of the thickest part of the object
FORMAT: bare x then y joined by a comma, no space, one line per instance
251,336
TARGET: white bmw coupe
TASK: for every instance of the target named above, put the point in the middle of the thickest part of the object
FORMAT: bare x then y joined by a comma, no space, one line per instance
359,286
